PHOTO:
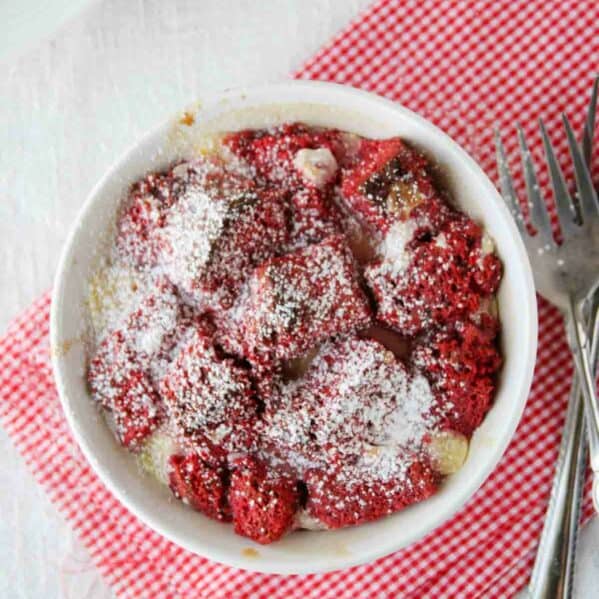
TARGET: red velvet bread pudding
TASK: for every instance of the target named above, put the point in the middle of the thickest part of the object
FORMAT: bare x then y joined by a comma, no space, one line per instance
296,329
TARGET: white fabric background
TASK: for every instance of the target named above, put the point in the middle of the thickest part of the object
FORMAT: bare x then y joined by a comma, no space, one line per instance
71,100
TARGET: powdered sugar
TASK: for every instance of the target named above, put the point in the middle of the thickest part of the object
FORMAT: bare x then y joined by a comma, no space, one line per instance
155,319
410,419
384,463
193,226
204,392
296,301
293,294
305,521
393,250
232,267
356,404
114,290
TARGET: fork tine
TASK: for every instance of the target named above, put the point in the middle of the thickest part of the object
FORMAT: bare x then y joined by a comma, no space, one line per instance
538,209
563,202
586,192
507,186
589,125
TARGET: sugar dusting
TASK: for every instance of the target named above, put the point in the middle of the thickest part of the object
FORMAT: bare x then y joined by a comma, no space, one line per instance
393,249
192,228
307,297
357,405
208,245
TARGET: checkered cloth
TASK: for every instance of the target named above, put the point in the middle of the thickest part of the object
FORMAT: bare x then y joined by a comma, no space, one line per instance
465,66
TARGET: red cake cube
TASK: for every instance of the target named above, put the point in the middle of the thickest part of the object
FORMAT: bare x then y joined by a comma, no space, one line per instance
136,409
127,362
131,361
314,217
221,227
355,395
296,301
426,278
341,498
156,328
200,485
305,162
387,182
143,215
154,321
119,383
461,361
210,398
273,152
263,501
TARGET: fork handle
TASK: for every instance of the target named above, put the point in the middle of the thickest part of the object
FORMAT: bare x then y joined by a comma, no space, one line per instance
553,571
580,344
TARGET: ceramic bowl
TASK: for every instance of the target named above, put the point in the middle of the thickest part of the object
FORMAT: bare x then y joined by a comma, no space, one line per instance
328,105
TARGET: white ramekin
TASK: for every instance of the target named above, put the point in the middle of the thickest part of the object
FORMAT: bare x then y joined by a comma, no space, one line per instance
319,104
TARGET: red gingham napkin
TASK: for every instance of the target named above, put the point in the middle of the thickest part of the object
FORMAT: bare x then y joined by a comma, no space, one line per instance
465,66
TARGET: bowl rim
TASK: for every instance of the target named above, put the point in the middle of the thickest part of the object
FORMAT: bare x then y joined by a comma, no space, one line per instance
528,306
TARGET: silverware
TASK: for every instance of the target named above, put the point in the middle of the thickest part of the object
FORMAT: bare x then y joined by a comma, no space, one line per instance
553,572
565,275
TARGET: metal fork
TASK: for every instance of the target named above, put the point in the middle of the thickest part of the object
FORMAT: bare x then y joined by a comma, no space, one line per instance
566,275
553,572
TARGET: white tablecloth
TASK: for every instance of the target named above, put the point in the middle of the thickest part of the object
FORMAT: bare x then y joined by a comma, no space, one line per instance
71,100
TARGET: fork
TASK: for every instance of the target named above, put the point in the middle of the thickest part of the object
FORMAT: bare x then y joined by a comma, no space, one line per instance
553,572
566,275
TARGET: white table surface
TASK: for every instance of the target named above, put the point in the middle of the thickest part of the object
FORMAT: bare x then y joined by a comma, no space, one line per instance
77,86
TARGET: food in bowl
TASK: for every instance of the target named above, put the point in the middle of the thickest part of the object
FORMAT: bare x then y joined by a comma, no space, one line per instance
296,329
